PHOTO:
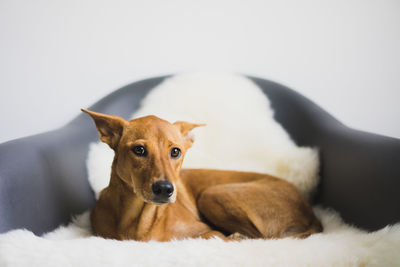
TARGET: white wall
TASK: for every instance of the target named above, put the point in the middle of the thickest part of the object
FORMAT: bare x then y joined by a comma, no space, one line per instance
59,56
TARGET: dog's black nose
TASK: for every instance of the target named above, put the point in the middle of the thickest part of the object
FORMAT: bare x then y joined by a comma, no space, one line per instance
162,189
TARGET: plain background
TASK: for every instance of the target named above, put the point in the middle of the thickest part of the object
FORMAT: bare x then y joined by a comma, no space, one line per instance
59,56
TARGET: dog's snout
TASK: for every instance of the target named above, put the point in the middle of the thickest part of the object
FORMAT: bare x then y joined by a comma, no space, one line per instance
162,189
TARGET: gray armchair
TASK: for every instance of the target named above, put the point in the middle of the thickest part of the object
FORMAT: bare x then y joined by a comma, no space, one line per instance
43,178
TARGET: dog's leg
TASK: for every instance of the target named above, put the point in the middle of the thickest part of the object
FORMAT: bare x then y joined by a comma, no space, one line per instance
102,224
258,209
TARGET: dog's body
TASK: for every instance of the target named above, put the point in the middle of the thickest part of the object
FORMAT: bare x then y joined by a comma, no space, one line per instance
150,198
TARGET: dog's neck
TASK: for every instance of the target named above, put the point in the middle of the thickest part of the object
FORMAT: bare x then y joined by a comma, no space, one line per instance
132,211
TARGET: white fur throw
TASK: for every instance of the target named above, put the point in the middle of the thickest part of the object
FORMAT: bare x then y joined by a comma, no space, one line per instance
241,135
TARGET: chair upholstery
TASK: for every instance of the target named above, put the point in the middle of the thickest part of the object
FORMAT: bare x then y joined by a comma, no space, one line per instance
43,178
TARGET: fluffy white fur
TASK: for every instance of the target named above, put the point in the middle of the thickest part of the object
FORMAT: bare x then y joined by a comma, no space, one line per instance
339,245
241,135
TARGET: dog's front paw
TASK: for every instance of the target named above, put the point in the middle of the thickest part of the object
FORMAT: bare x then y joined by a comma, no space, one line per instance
237,237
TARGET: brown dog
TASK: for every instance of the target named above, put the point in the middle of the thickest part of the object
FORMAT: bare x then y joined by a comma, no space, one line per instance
149,197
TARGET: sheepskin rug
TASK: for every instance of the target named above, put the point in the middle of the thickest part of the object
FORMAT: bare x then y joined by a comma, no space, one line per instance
241,134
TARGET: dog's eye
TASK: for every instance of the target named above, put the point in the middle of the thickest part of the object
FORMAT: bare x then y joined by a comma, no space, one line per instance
175,152
139,151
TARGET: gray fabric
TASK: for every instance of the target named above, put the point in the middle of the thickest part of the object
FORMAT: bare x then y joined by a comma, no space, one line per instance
43,178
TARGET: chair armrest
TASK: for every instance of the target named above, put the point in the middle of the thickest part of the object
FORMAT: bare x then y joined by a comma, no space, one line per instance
43,178
361,176
360,172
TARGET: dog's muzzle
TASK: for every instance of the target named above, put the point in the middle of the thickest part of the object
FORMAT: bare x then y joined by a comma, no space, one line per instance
162,191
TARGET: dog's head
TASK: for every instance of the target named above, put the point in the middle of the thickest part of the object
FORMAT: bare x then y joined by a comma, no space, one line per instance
149,152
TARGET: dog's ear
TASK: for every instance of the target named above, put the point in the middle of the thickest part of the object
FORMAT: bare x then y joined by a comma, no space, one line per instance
185,128
108,127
